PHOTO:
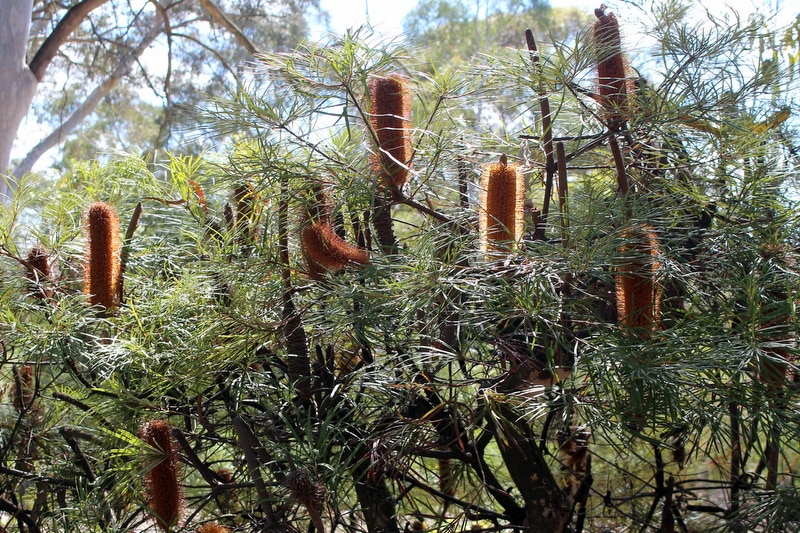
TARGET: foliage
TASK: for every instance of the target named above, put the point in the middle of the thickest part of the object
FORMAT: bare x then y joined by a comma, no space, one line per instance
437,387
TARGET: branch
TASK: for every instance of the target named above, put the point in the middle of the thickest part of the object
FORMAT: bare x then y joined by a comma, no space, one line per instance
61,33
547,133
220,18
89,105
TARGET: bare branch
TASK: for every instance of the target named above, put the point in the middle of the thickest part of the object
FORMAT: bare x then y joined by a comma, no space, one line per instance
220,18
89,105
64,29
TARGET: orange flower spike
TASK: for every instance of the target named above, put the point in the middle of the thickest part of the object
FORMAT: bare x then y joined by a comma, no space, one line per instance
325,251
610,68
638,293
501,202
390,116
164,492
102,268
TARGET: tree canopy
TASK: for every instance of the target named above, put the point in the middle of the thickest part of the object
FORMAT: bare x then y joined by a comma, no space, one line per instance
94,73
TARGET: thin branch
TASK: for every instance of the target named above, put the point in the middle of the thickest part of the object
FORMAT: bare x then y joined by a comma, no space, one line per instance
561,159
547,134
220,18
65,27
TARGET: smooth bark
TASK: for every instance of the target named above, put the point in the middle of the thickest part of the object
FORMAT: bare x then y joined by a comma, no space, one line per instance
20,81
88,106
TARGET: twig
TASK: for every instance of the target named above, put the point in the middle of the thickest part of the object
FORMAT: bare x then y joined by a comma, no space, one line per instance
561,159
582,495
126,250
547,133
736,456
80,457
211,477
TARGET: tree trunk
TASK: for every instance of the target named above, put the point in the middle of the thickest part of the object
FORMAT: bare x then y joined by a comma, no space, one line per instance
90,104
547,507
18,82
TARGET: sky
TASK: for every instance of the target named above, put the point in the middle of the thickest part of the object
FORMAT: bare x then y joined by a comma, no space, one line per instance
386,16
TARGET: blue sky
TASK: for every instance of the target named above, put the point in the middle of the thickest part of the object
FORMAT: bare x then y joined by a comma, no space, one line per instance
386,15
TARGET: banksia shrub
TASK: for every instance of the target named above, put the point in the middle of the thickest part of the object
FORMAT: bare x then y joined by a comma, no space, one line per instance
638,292
102,268
324,250
610,69
164,494
390,115
501,205
38,271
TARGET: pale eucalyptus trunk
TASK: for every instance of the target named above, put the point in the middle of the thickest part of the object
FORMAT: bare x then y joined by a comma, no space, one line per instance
88,106
17,82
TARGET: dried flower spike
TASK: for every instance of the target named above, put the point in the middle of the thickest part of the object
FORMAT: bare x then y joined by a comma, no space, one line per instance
304,488
610,68
38,272
324,250
390,115
501,205
447,482
102,269
164,493
23,388
638,292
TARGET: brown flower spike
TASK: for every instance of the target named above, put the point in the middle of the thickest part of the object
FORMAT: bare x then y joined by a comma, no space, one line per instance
38,272
325,251
638,292
23,388
164,493
390,116
102,268
610,68
501,205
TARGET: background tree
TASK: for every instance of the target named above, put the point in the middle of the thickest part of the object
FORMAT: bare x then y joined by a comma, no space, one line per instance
89,48
271,364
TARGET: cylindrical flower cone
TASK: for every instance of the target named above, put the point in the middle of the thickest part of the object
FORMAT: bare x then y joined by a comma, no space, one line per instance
447,482
102,268
612,83
38,272
23,388
638,292
501,206
324,250
777,334
164,492
390,116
